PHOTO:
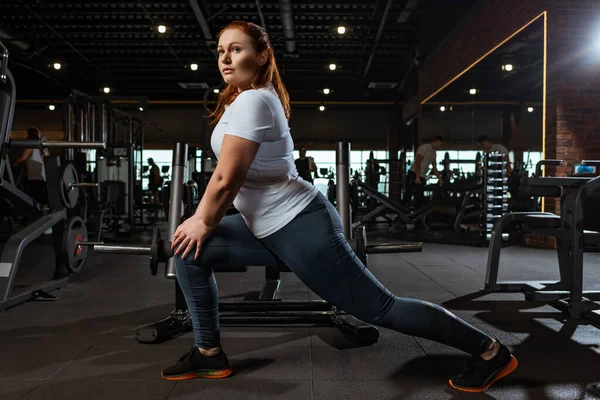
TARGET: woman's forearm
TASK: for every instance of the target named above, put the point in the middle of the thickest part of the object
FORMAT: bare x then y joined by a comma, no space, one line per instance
216,200
200,207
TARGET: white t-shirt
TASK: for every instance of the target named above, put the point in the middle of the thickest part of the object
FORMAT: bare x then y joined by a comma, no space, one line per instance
497,147
273,193
428,153
35,166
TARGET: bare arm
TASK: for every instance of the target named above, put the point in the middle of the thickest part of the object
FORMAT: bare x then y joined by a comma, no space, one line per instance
24,156
235,159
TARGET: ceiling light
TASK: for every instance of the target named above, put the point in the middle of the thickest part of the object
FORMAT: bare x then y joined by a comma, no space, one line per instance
473,91
507,67
162,29
530,109
57,66
194,67
51,107
106,90
326,91
341,29
216,91
332,67
141,108
442,108
321,108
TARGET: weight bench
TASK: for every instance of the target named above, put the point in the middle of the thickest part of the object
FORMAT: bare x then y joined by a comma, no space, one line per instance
571,235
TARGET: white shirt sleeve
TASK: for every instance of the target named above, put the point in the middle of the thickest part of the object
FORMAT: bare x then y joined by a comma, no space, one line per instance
422,150
250,117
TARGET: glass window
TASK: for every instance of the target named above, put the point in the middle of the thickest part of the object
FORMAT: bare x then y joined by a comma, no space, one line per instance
162,158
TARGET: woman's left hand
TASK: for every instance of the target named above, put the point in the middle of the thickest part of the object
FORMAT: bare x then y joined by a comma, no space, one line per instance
191,233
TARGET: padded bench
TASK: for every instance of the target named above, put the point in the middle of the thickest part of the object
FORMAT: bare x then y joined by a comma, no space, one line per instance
544,221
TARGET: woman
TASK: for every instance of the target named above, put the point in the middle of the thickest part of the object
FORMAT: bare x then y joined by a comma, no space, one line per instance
278,210
32,159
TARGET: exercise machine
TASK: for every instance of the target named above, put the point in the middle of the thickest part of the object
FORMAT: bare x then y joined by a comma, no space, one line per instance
62,192
264,307
575,230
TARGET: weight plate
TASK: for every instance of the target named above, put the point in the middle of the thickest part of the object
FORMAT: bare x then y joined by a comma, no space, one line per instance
68,194
154,246
74,255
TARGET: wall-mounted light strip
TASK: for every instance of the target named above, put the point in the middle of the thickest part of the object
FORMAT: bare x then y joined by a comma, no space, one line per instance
544,67
485,55
492,103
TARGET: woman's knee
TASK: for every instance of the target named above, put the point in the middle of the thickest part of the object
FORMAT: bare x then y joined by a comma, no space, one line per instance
373,311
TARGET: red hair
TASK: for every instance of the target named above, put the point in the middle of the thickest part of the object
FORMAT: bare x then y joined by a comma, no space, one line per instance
267,74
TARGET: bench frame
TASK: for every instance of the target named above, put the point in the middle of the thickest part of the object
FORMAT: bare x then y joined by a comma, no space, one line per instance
567,293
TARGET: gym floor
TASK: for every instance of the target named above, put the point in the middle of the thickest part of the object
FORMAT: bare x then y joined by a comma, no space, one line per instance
82,346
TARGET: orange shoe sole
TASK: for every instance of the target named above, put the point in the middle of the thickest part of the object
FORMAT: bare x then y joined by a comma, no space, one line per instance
194,375
512,365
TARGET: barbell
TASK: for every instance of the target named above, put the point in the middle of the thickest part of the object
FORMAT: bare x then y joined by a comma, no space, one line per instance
68,178
159,250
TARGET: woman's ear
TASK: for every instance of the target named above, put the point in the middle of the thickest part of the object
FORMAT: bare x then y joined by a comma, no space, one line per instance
262,58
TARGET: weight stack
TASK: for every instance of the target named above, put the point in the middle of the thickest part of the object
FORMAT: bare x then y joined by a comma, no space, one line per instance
494,202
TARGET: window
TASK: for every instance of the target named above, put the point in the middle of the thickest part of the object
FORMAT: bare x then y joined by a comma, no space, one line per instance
161,158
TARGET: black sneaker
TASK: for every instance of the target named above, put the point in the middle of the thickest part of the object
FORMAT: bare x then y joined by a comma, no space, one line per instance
480,374
193,364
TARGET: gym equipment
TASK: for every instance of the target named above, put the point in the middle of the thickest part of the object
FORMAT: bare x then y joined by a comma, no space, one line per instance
447,172
494,201
57,179
357,239
575,228
264,308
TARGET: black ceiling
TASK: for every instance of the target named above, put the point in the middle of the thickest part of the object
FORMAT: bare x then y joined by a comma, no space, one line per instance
116,44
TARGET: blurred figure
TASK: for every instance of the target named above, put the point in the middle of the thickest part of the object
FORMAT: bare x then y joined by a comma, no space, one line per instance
417,174
32,160
305,165
488,146
154,179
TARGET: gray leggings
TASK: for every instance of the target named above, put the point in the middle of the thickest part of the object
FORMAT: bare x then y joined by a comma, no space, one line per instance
314,248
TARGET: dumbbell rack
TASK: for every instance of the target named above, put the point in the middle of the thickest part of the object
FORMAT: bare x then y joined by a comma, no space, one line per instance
494,201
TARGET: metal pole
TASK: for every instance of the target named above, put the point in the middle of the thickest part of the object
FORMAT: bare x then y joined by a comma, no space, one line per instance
93,127
69,128
88,122
103,124
176,198
74,145
131,184
343,185
81,123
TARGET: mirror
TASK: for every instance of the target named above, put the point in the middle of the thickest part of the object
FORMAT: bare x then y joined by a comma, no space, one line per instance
501,97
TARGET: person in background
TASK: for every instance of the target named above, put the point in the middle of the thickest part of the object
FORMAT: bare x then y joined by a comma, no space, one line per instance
154,180
417,174
305,165
32,160
488,146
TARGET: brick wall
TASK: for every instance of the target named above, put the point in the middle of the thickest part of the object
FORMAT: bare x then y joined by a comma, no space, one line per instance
573,85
